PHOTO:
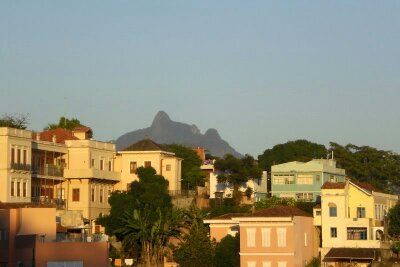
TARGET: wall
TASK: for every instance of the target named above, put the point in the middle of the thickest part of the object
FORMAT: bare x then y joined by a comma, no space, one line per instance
32,222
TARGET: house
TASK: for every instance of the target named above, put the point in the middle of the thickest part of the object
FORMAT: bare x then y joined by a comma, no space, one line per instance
147,153
303,180
279,236
28,238
352,221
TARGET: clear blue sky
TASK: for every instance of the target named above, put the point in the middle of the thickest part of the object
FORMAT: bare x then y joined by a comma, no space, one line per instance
261,72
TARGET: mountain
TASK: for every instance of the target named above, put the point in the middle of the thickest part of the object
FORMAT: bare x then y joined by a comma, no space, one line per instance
165,131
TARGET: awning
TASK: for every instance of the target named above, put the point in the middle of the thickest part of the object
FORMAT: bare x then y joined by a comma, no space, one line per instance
352,254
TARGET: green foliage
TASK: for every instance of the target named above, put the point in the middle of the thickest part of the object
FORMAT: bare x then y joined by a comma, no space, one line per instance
248,192
367,164
64,123
192,175
276,201
299,150
237,171
227,252
196,249
150,192
18,121
394,222
315,262
228,205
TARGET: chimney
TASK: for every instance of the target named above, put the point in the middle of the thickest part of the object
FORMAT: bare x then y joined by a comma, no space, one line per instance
54,138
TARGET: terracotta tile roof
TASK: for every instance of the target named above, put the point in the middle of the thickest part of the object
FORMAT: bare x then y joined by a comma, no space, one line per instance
280,211
330,185
367,186
61,135
349,254
144,145
82,128
229,216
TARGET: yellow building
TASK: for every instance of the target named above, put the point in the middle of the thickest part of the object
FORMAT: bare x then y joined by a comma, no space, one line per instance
61,167
351,219
147,153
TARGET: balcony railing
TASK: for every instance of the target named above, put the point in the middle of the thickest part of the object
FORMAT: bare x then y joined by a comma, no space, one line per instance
49,170
20,166
57,202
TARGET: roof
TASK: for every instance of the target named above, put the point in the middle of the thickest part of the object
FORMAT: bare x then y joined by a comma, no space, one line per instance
61,135
144,145
349,254
280,211
82,128
24,205
229,216
330,185
366,186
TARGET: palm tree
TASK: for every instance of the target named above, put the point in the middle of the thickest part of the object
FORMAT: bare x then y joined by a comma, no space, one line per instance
151,234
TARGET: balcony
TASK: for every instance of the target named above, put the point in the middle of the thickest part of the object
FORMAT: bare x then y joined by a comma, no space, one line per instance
48,170
20,167
59,203
92,173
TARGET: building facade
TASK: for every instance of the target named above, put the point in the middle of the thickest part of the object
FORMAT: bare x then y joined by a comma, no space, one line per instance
274,237
352,216
303,180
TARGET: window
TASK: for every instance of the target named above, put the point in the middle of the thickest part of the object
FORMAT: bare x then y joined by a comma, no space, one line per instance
24,158
92,163
168,167
251,236
102,164
109,166
12,155
305,196
318,177
18,155
318,212
332,211
251,264
12,189
101,195
266,264
18,189
283,179
332,179
133,167
281,263
266,237
3,235
305,179
24,189
92,194
360,212
333,232
281,233
61,193
356,233
75,194
305,239
147,164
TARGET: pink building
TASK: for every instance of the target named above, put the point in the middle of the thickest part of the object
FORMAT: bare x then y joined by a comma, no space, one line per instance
28,238
274,237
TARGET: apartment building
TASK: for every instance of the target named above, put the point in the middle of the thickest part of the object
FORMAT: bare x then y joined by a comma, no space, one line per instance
147,153
275,237
28,238
303,180
64,168
352,220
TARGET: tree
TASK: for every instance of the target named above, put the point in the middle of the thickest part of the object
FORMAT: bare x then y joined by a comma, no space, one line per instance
64,123
196,249
227,252
145,207
299,150
191,172
367,164
18,121
237,171
394,222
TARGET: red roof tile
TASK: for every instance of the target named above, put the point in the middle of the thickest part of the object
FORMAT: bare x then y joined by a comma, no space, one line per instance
82,128
330,185
366,186
281,211
61,135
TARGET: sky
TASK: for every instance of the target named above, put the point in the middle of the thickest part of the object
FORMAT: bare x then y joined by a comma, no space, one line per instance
260,72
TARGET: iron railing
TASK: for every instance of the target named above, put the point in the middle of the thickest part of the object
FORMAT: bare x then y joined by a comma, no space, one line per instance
48,170
59,203
20,166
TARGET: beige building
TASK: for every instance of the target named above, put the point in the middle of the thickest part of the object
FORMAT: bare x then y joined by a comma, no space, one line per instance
274,237
352,220
147,153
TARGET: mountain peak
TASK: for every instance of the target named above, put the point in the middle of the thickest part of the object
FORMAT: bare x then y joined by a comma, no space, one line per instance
212,133
160,117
